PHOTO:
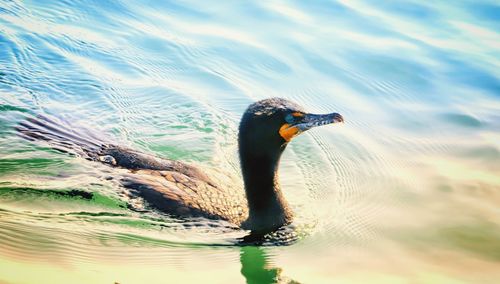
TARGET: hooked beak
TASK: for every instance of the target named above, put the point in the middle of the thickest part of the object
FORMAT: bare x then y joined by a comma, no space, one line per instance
308,121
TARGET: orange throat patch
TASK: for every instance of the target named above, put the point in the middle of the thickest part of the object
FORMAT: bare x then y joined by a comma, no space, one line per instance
288,132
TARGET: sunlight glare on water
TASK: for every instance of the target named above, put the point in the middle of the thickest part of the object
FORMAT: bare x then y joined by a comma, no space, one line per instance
406,191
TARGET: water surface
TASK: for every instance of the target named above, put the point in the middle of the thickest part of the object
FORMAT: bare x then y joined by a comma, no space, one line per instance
406,191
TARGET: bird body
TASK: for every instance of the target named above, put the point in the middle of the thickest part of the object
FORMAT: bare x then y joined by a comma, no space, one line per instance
180,189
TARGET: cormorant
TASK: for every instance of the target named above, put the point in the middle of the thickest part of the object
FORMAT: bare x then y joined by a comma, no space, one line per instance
176,188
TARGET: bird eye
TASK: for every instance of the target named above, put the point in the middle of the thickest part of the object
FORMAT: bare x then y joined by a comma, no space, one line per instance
289,118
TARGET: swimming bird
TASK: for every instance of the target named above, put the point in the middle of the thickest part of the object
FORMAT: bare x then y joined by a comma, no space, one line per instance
183,190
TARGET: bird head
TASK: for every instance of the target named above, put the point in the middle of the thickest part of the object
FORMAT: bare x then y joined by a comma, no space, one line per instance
267,126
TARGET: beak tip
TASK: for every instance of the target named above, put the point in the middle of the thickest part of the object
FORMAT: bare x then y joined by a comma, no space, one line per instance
338,118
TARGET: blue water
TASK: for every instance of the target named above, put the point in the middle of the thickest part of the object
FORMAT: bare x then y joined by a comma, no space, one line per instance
406,191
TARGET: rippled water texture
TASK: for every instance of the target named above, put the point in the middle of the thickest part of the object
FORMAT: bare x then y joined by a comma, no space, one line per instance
406,191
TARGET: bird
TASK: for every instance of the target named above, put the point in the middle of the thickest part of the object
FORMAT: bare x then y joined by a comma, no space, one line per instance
184,190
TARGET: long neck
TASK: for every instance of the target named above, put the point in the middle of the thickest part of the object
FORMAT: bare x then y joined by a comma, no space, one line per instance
268,210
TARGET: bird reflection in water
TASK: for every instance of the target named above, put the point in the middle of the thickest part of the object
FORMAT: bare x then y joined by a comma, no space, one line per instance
256,269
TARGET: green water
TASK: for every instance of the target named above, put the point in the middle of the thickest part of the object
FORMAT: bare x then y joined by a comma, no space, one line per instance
406,191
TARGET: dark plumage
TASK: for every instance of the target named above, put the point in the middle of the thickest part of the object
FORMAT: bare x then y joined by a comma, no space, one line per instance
183,190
